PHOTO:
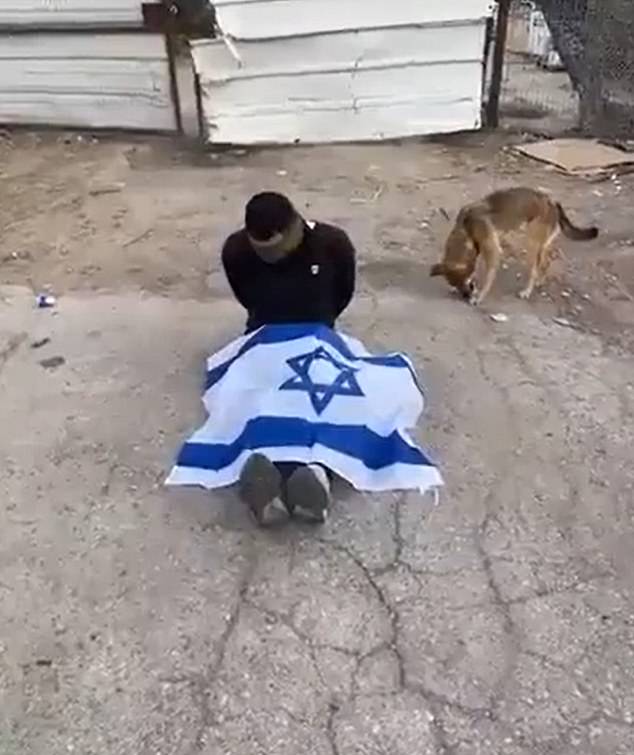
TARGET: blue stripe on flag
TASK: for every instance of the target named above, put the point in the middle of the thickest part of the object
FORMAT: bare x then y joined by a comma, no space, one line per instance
375,451
270,334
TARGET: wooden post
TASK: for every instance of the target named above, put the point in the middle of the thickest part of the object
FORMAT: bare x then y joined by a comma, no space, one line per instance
200,112
171,61
493,104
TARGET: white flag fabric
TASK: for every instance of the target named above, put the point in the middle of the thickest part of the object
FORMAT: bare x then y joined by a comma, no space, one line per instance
305,393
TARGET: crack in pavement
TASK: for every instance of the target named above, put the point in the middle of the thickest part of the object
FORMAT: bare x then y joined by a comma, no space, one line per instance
202,684
504,610
432,700
331,733
13,344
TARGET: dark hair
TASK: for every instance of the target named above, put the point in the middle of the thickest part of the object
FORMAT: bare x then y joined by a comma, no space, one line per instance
268,213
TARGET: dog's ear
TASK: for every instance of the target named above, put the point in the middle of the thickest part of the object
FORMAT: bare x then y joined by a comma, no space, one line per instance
437,269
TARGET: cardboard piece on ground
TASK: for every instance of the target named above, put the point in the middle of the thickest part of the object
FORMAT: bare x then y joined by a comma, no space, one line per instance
579,157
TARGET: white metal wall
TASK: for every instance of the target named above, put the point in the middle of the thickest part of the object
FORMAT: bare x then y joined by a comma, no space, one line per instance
64,13
341,70
82,64
86,80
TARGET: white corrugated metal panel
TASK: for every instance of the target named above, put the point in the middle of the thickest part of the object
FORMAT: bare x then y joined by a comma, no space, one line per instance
265,19
371,104
375,116
352,85
86,81
63,13
338,52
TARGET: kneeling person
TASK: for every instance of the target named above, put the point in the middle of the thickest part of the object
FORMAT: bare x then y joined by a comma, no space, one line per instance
284,269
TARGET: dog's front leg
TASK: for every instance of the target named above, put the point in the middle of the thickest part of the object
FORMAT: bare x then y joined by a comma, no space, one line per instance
477,297
527,291
490,252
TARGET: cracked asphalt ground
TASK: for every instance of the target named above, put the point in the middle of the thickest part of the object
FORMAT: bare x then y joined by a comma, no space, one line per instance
142,621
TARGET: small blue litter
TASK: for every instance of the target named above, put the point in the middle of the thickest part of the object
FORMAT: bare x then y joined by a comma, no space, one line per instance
45,301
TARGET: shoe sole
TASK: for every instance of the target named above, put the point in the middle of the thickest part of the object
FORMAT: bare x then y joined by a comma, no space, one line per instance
260,485
306,496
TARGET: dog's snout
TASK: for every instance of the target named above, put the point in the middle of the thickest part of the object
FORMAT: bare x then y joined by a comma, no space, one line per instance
468,290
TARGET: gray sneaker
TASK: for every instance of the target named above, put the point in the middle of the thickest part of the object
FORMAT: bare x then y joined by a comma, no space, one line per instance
308,493
260,487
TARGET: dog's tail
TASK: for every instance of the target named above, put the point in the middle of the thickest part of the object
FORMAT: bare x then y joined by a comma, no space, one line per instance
571,231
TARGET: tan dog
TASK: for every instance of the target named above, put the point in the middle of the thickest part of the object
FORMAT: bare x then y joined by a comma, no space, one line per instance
477,232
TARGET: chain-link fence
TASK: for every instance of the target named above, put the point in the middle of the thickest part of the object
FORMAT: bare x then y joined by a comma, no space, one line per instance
607,77
537,92
570,63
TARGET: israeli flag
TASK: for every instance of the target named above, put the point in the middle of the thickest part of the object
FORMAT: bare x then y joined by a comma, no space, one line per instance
305,393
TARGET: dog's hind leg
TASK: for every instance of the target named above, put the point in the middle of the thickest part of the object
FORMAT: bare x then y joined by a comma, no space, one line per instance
540,238
533,276
545,258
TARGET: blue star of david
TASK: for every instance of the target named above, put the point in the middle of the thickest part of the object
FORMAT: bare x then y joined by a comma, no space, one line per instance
321,394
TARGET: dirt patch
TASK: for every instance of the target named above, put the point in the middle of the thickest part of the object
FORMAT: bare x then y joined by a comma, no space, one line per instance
407,275
91,214
622,271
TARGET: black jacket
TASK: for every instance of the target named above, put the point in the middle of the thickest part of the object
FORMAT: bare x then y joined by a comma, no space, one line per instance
314,283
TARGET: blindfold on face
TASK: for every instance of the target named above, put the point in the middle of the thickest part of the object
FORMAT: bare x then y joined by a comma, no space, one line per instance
281,244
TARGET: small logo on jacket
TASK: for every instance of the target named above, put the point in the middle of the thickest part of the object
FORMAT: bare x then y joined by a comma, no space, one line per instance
314,269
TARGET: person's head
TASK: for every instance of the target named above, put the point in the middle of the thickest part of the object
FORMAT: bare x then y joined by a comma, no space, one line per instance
273,225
